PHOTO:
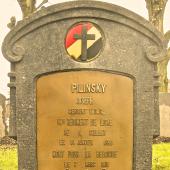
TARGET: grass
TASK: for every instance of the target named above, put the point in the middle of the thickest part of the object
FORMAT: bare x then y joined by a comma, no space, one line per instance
161,157
8,158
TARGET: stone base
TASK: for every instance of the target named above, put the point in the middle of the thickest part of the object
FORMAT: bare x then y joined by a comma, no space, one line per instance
164,106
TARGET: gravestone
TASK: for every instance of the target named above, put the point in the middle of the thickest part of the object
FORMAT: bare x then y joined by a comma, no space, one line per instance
86,84
164,106
2,116
7,114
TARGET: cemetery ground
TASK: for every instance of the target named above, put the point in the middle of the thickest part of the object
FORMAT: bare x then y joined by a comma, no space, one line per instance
161,154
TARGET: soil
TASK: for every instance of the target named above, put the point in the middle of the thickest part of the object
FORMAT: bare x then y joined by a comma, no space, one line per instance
161,139
7,141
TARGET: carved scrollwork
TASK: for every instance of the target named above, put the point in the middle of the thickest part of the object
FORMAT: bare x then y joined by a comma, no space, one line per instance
12,23
154,55
16,54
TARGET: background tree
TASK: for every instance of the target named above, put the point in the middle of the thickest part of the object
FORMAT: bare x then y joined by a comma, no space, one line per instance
156,10
29,6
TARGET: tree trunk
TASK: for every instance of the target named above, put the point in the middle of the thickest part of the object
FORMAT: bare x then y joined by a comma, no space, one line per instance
27,7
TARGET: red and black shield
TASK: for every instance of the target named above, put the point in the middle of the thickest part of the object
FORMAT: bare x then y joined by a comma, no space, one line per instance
83,41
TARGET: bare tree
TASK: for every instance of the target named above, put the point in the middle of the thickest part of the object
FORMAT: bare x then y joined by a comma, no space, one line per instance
29,6
156,10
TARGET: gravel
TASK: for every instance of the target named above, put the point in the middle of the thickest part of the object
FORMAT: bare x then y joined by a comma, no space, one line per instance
7,141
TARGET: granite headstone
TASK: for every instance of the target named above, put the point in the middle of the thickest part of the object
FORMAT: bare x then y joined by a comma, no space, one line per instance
164,106
2,116
86,84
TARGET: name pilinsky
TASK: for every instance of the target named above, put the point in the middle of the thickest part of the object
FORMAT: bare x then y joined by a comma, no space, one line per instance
88,88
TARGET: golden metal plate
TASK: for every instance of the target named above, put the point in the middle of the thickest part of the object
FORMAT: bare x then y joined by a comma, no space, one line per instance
84,121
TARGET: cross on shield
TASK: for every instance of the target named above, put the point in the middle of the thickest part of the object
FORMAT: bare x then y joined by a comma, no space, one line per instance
83,41
84,37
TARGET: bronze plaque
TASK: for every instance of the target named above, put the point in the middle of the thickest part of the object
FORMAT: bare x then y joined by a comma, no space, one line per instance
84,121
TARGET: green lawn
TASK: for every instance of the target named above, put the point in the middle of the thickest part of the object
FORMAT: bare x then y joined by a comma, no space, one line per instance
161,157
8,158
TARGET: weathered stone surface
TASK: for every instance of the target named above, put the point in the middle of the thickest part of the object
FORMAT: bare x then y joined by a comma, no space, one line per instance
2,115
2,127
132,47
7,114
165,114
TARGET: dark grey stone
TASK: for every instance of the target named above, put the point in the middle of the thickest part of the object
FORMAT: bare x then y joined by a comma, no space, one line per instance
132,48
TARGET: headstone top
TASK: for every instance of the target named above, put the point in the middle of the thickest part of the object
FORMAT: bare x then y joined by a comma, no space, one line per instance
88,9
